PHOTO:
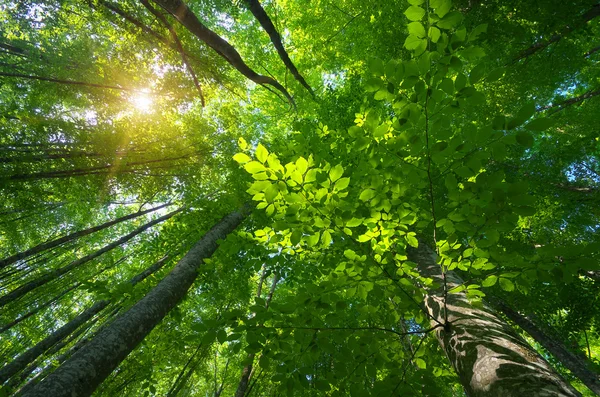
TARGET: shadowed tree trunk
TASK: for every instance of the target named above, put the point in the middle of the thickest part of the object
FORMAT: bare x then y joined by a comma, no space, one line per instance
572,362
20,362
73,236
187,18
82,373
261,16
46,278
489,357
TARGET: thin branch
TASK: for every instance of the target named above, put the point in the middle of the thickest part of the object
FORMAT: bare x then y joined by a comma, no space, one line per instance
178,45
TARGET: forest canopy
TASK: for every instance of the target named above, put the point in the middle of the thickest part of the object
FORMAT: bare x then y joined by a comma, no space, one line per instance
299,198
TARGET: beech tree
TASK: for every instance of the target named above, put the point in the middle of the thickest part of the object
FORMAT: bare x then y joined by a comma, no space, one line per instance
263,198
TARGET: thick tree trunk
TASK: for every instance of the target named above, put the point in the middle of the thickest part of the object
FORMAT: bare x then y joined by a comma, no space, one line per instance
574,363
82,373
46,278
489,357
20,362
73,236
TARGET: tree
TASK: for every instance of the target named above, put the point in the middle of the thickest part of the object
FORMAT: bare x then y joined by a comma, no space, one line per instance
435,155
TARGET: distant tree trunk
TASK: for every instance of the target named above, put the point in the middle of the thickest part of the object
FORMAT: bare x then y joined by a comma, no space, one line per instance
27,357
489,357
572,362
86,369
46,278
73,236
247,371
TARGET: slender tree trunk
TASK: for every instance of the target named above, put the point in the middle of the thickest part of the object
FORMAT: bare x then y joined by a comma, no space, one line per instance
25,288
489,357
261,16
73,236
575,364
20,362
82,373
187,18
247,371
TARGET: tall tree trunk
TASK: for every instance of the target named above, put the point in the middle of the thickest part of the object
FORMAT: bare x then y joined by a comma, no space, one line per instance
574,363
247,371
489,357
73,236
82,373
20,362
46,278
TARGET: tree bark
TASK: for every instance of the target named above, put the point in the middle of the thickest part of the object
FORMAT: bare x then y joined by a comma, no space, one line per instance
187,18
489,357
46,278
261,16
20,362
572,362
82,373
73,236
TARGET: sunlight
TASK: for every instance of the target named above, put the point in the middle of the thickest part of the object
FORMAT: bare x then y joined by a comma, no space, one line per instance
142,102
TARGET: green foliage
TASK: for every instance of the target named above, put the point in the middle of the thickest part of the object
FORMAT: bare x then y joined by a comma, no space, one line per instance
426,129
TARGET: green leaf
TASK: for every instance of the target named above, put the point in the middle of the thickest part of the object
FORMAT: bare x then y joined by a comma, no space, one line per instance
296,237
261,153
242,158
412,42
380,131
414,13
254,167
443,7
506,284
490,281
271,192
416,29
372,85
479,29
354,222
420,363
496,74
336,172
367,194
540,124
412,240
450,20
434,34
242,144
301,165
326,238
525,139
342,184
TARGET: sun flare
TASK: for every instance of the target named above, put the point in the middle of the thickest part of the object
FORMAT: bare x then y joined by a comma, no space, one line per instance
142,101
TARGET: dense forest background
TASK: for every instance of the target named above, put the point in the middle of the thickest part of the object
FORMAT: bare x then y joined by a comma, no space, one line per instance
304,198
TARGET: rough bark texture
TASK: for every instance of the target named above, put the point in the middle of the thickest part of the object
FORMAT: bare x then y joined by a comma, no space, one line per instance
489,357
20,362
574,363
46,278
82,373
73,236
188,19
261,16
